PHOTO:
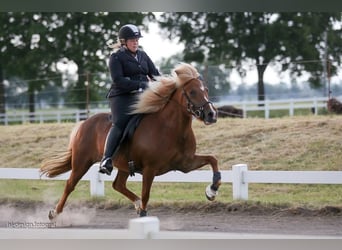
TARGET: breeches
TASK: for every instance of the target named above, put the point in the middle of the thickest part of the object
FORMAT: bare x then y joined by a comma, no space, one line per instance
120,108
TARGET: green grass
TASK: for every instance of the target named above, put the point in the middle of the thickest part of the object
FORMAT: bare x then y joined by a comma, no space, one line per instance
284,113
312,196
174,194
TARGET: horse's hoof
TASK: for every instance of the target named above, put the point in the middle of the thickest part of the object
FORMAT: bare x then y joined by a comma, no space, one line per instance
210,194
210,198
142,213
52,215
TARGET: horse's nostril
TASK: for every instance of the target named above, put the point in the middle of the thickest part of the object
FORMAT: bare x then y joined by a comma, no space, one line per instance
211,117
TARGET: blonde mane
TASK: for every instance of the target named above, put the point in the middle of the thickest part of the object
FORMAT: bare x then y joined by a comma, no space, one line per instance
158,93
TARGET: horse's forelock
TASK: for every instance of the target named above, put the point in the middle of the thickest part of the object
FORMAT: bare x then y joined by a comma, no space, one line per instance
184,72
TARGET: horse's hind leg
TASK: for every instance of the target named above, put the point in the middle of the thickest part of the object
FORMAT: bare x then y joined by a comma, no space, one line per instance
77,172
119,184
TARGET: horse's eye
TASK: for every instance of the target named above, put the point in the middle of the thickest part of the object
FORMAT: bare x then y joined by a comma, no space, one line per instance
193,93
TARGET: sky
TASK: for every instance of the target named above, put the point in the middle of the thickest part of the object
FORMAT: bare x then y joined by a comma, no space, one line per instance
157,47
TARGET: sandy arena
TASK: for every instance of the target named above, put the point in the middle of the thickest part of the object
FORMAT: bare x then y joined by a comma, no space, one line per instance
214,217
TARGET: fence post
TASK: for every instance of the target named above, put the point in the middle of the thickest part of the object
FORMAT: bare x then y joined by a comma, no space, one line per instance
96,183
291,113
145,227
316,106
240,188
77,116
244,109
267,109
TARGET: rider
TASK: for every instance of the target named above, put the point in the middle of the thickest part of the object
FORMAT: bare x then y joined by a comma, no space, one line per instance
131,69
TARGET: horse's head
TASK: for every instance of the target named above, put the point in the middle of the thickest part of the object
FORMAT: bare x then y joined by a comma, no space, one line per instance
198,102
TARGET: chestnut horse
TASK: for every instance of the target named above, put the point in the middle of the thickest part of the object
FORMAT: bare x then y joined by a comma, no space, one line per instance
163,141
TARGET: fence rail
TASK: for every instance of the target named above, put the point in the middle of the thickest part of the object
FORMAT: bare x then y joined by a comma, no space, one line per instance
266,106
239,176
313,104
48,116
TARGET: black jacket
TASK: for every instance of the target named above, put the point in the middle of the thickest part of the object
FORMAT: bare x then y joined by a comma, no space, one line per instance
129,74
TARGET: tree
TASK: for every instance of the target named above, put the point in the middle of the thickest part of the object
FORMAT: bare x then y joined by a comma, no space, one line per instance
259,38
24,45
2,92
315,39
82,38
32,43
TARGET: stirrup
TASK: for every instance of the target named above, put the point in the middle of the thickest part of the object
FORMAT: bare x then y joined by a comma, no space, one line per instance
106,166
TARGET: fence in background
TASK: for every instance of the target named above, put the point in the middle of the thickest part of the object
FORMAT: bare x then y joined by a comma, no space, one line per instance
239,176
313,104
48,116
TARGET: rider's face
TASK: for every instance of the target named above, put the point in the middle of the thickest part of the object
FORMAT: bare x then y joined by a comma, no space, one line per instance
132,44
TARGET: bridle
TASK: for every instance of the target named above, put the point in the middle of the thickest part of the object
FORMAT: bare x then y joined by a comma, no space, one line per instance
192,108
196,110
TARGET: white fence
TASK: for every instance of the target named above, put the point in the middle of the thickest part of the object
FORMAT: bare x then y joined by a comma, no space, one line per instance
242,176
239,176
76,115
312,104
47,116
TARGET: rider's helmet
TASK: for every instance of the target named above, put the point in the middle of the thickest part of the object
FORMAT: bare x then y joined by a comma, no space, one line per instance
129,31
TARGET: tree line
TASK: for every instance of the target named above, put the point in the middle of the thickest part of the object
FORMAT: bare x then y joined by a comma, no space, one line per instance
34,44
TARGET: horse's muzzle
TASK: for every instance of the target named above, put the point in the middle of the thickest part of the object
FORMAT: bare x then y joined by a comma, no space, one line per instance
210,115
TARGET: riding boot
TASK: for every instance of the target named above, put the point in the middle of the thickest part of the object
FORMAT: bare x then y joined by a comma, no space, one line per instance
112,142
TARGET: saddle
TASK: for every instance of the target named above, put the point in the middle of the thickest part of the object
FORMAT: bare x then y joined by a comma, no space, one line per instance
131,127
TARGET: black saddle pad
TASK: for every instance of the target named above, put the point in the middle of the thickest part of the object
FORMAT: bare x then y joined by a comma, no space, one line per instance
131,127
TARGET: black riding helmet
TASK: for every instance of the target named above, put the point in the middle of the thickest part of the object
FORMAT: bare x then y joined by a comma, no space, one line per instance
129,31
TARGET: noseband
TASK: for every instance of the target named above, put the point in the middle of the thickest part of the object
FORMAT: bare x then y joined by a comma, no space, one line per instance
196,110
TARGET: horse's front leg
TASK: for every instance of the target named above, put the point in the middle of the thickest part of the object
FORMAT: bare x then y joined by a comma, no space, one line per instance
212,190
199,161
148,177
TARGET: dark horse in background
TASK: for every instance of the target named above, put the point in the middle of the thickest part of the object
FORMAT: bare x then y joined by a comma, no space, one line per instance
163,141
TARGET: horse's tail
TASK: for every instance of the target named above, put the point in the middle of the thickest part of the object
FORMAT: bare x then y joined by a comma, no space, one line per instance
57,164
60,162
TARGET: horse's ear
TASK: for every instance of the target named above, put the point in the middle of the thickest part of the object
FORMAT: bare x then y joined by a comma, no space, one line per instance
177,72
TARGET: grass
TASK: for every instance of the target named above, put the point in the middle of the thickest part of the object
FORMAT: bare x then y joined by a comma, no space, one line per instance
287,143
175,194
283,113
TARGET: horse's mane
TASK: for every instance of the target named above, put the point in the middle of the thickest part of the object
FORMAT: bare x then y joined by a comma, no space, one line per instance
158,93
